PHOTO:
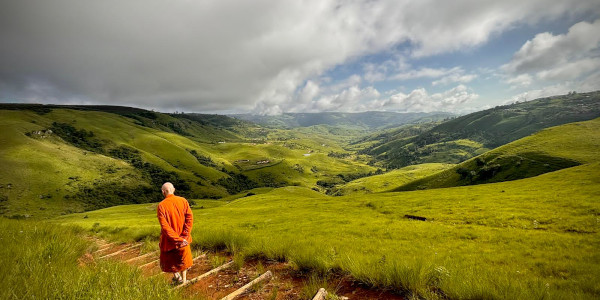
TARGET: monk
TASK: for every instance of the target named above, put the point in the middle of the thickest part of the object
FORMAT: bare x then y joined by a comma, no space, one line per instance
176,219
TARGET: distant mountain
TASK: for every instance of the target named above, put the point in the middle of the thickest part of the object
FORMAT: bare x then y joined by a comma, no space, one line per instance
371,120
478,132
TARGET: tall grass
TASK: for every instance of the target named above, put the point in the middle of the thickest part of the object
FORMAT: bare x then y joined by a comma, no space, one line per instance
43,261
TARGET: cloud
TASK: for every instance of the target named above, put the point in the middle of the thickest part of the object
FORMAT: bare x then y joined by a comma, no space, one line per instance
399,70
556,64
347,100
419,100
230,55
424,73
456,77
546,91
546,50
521,80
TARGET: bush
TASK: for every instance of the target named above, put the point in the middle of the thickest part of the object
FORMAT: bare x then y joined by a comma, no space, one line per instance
203,160
79,138
236,183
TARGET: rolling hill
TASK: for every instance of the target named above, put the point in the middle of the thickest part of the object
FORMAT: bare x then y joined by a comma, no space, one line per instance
532,238
60,159
549,150
464,137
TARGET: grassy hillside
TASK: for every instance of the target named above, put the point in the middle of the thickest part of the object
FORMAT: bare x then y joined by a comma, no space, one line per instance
548,150
527,239
44,261
389,180
484,130
62,160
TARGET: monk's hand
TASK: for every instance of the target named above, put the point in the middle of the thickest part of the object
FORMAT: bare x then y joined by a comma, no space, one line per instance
183,243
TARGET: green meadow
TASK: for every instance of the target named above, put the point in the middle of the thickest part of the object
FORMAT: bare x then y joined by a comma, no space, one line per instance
518,222
530,238
42,171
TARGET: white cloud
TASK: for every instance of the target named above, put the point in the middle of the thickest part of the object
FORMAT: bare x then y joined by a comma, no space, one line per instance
309,92
347,100
423,73
400,70
556,64
552,90
521,80
456,77
546,50
420,100
570,70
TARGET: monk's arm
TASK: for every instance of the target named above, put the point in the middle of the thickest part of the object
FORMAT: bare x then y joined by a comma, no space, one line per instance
189,221
166,228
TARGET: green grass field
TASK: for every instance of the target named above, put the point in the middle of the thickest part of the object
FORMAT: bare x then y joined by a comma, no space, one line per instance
532,238
43,261
389,180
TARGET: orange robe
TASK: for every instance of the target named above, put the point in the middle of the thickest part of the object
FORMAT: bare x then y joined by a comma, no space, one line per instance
176,219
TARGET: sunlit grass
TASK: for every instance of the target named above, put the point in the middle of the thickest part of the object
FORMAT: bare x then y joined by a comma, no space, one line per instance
521,239
42,261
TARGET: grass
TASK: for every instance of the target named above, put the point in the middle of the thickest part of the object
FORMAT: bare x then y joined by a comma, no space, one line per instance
42,171
389,180
548,150
41,262
524,239
493,127
532,238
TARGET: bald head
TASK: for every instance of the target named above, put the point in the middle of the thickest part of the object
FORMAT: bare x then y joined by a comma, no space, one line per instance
168,189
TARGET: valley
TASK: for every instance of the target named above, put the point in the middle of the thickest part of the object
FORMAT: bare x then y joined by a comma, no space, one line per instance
509,196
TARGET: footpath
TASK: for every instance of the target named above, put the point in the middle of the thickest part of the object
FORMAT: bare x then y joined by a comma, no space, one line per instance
218,276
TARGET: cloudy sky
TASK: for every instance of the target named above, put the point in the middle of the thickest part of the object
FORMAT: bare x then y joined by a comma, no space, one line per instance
278,56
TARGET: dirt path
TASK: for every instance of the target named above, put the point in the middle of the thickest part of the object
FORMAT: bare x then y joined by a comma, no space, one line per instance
208,283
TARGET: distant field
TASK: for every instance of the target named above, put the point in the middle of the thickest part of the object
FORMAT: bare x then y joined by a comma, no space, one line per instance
390,180
534,237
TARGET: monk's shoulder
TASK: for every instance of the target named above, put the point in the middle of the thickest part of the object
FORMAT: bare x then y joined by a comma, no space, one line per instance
164,204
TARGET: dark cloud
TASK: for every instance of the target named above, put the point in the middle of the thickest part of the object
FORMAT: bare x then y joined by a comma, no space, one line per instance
224,55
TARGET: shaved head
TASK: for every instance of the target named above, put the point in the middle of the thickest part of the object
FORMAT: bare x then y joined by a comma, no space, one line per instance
168,188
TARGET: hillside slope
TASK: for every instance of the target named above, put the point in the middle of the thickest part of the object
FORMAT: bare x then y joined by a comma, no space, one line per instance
384,182
549,150
484,130
525,239
61,160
